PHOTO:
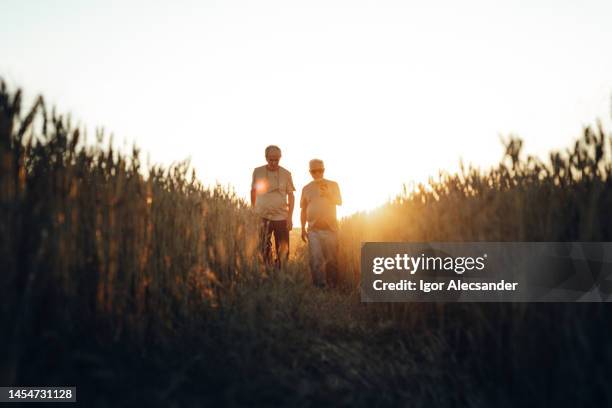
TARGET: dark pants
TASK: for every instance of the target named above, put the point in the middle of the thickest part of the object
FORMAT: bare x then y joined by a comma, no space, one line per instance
281,242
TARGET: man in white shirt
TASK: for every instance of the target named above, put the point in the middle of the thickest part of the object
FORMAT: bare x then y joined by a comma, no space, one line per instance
318,207
272,197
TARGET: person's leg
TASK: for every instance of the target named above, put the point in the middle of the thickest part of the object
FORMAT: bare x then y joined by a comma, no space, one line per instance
316,259
281,239
266,241
330,251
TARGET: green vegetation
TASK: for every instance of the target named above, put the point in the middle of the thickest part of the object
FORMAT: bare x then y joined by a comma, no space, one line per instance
144,287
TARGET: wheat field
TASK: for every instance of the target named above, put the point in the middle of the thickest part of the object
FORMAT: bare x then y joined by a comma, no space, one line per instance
143,286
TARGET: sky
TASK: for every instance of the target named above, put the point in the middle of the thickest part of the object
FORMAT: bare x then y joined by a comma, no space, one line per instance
385,92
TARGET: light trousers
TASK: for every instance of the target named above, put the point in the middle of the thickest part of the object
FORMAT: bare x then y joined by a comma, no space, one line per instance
323,257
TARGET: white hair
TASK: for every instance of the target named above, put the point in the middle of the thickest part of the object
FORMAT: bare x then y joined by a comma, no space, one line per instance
316,164
272,147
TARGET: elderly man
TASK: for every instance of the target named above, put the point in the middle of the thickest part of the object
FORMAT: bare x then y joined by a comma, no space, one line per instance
272,196
318,203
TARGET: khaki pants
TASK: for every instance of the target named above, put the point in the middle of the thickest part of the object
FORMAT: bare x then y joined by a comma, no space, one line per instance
323,254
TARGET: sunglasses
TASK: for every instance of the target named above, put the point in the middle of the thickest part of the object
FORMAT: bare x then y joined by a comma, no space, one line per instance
317,171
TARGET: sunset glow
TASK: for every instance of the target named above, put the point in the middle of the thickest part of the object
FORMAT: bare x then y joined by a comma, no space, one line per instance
373,88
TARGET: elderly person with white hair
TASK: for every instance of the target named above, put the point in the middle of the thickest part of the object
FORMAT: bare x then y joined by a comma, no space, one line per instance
318,207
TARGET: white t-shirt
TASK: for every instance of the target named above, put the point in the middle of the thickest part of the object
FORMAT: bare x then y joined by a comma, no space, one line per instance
272,188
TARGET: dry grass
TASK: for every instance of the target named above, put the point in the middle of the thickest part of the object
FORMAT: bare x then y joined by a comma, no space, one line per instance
88,236
568,198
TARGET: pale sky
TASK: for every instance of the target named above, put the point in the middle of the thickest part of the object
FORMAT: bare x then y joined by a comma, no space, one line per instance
385,92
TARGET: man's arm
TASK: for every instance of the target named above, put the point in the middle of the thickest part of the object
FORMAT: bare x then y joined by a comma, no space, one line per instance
303,205
303,221
291,198
338,197
291,202
253,191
